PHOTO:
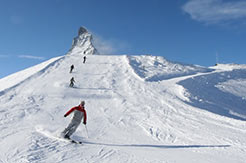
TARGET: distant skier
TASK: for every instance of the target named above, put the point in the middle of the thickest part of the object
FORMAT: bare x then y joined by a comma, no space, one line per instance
72,81
79,114
84,59
71,68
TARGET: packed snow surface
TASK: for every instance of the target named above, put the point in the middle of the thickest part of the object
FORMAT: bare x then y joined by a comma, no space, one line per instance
141,109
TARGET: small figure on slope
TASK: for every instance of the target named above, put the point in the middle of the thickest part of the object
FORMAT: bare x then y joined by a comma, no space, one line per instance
84,59
79,114
72,81
71,68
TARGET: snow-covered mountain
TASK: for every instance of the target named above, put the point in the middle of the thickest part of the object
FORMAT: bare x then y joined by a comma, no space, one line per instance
140,109
82,44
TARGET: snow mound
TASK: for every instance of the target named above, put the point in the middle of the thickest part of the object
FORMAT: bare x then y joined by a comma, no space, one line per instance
236,87
223,93
156,68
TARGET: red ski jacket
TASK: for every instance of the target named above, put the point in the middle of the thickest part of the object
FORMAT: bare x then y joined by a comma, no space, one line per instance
78,108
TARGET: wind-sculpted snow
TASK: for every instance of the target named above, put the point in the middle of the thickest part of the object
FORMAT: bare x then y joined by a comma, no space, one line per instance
223,93
154,68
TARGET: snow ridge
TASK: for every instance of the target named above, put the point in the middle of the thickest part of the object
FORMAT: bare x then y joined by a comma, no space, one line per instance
16,79
154,68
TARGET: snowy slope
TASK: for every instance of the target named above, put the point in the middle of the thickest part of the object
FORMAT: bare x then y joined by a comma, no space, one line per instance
171,117
16,78
142,109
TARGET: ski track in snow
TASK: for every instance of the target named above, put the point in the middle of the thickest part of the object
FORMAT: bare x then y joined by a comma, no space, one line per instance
136,113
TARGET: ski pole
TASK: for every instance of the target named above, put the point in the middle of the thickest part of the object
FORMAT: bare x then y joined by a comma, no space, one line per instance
86,131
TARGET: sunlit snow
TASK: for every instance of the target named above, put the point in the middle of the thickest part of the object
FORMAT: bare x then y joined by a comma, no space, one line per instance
140,109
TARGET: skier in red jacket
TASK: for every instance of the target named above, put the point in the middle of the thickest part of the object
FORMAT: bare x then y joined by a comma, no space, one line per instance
79,114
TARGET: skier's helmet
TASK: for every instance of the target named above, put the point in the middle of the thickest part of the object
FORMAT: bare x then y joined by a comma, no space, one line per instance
82,102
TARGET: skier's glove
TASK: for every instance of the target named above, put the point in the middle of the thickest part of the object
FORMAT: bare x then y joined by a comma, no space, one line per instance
84,123
64,115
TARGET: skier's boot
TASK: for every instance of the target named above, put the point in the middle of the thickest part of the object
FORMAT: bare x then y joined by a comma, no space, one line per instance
66,137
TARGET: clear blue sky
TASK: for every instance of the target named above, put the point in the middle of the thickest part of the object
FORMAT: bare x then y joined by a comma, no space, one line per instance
188,31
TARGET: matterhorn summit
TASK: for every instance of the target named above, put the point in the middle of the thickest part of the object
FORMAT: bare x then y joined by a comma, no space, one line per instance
82,44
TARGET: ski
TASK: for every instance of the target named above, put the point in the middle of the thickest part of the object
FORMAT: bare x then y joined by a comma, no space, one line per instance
73,141
57,137
76,142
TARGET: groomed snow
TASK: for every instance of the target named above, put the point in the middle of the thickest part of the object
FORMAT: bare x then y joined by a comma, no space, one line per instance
141,109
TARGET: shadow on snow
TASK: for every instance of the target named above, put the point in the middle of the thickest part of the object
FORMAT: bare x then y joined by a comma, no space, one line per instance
157,146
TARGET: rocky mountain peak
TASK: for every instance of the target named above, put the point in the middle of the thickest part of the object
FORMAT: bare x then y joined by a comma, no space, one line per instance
83,43
82,30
